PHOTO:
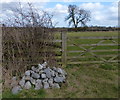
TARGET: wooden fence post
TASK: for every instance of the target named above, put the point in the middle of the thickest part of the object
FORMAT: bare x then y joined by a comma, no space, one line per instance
64,48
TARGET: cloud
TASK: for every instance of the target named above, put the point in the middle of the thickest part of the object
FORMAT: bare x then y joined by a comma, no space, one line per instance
61,8
101,14
92,6
58,9
8,1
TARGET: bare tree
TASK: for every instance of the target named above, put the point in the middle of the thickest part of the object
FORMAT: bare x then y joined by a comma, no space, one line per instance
29,18
77,16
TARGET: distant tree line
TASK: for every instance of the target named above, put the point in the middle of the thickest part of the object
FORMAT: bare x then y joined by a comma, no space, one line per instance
92,28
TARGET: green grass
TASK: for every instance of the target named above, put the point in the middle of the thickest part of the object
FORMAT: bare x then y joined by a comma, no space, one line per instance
82,82
77,34
108,67
31,93
71,40
72,34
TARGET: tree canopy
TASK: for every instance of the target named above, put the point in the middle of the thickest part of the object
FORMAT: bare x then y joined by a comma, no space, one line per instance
77,16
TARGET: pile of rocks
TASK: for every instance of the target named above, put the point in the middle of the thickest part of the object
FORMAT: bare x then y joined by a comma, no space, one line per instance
41,77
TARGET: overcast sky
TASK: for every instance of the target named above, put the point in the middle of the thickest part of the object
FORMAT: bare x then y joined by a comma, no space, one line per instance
103,13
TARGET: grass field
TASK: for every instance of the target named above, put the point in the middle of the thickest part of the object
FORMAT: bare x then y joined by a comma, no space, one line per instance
83,81
107,49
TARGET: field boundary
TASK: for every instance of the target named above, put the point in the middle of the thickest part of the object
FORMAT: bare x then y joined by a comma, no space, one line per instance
66,59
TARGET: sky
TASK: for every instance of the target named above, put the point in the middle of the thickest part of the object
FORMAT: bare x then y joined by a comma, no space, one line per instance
103,13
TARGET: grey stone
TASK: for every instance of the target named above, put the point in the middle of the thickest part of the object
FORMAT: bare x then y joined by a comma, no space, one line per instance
60,71
62,75
27,73
54,68
16,89
27,85
58,79
43,75
55,85
33,68
48,73
38,84
31,71
41,71
27,78
39,81
22,83
46,85
23,77
35,75
40,66
45,80
37,70
53,73
33,81
44,64
56,74
50,81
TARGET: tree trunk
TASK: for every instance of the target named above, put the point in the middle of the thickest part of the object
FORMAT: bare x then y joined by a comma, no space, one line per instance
75,28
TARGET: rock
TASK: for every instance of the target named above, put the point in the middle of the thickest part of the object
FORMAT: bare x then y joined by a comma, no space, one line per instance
54,68
27,78
33,81
58,79
48,73
27,73
37,70
62,76
39,81
41,71
55,85
50,81
23,78
46,85
45,80
22,83
35,75
59,70
38,84
31,71
27,85
56,74
44,64
43,75
16,89
33,68
64,72
52,73
40,66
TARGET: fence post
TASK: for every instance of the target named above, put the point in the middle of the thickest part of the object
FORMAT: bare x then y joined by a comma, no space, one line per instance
64,48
